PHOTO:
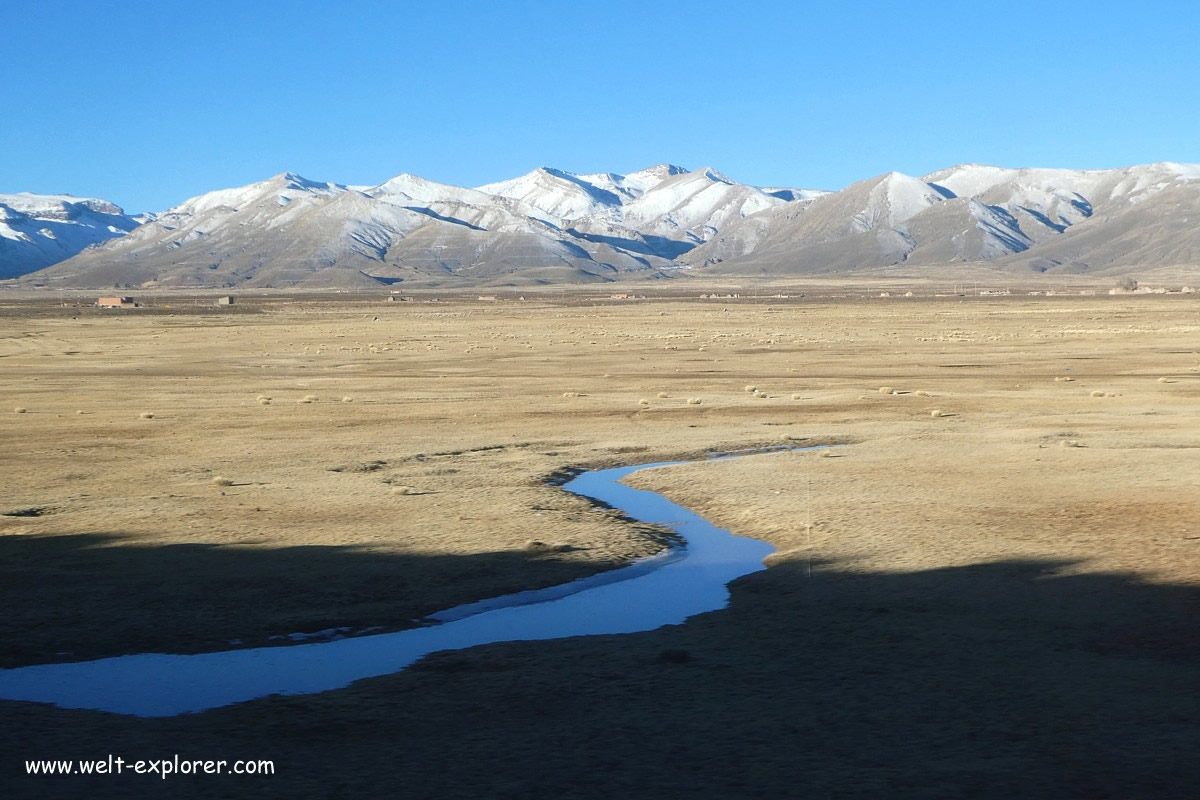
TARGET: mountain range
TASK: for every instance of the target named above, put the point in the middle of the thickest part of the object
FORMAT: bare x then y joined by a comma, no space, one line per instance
552,226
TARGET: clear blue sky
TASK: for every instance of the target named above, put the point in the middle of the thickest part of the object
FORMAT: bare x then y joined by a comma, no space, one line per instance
149,103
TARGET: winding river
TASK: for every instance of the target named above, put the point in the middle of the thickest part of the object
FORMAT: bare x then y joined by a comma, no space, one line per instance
661,590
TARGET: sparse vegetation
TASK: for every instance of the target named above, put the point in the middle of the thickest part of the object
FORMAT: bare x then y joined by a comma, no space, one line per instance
937,412
147,415
886,390
20,410
219,480
643,402
694,401
751,389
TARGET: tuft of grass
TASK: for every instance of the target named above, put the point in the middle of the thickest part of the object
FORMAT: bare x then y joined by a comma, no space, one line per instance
221,481
663,395
264,401
643,402
751,389
20,410
937,412
760,395
1097,393
347,399
1164,380
263,397
797,397
146,415
886,390
694,401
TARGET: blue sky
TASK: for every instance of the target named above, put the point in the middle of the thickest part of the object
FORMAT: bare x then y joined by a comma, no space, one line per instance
147,104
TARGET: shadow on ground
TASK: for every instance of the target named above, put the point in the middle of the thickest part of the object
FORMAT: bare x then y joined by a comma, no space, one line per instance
1007,680
75,597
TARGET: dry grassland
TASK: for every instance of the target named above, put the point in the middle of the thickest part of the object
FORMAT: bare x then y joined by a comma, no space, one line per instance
991,591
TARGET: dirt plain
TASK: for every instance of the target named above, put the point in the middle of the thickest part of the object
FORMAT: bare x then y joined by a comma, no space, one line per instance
992,590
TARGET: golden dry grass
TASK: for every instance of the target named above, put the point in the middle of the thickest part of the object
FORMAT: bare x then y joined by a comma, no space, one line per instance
911,599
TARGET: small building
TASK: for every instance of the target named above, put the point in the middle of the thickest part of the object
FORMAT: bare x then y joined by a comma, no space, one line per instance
116,302
489,298
227,300
620,296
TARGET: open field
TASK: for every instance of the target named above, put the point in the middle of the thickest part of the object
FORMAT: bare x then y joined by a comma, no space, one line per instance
992,591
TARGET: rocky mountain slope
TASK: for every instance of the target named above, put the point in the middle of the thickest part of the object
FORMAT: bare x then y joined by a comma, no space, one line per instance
1024,219
39,230
554,226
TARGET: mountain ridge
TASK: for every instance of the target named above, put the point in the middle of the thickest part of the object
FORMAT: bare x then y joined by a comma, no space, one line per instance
551,225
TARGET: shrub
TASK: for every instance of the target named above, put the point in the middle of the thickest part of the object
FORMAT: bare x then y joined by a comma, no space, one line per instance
1164,380
347,399
694,401
146,415
937,412
1097,393
751,389
663,395
886,390
797,397
264,401
643,402
220,481
19,410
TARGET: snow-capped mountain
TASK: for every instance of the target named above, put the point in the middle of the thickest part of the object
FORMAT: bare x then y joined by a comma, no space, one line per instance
1040,219
545,225
551,225
37,230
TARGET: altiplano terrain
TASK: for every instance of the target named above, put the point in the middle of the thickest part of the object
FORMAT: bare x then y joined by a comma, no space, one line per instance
991,590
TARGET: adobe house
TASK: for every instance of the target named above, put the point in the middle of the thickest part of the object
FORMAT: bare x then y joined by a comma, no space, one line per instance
227,300
116,302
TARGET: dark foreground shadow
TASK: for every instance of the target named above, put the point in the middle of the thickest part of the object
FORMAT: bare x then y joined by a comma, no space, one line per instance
77,597
1000,680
